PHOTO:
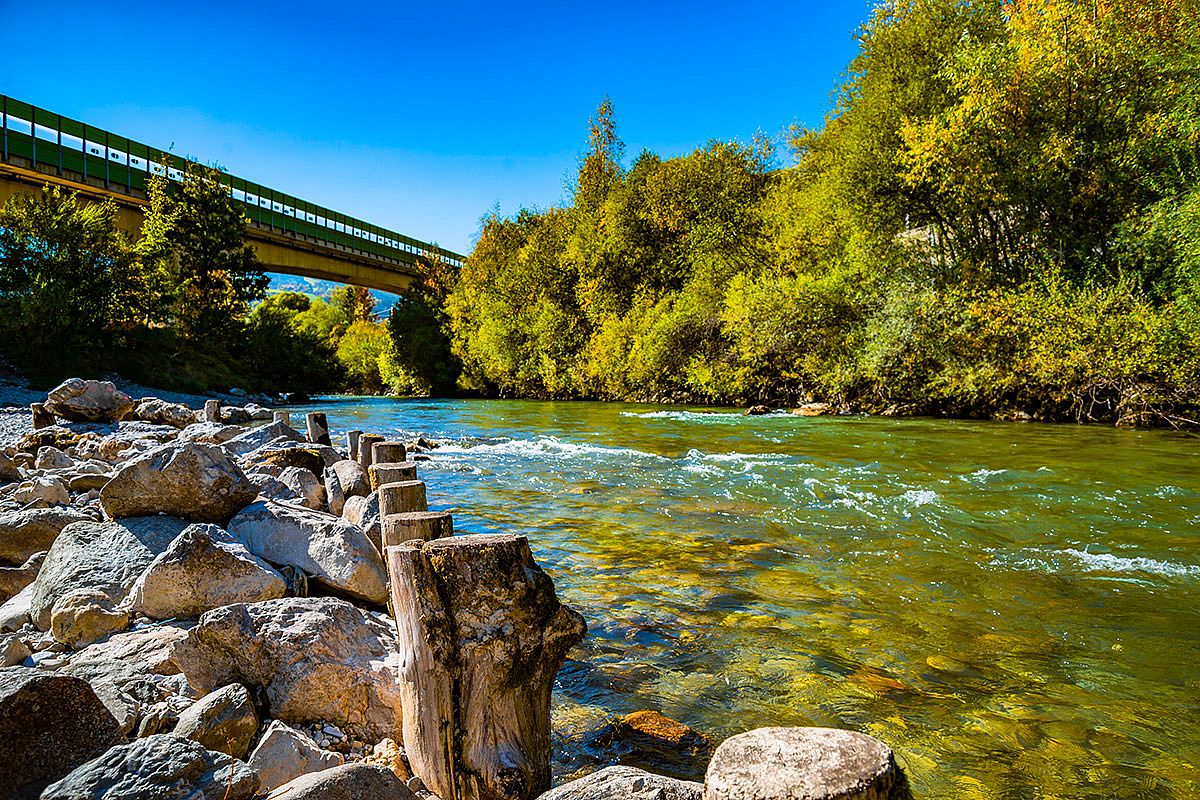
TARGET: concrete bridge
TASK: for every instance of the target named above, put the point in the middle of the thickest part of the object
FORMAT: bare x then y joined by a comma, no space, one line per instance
289,235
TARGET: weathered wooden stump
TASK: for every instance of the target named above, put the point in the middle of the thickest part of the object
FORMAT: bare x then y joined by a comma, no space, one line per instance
813,763
366,447
282,416
41,417
352,444
389,451
425,525
481,637
317,428
381,473
212,410
400,497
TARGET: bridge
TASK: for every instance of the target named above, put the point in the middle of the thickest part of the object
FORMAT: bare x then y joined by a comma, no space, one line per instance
288,234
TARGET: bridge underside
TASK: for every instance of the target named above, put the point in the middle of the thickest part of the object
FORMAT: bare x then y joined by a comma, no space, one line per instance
278,250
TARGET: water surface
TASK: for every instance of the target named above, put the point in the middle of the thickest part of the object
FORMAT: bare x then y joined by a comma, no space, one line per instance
1012,607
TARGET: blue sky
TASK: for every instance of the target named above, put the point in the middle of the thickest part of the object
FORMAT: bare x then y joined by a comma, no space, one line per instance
424,116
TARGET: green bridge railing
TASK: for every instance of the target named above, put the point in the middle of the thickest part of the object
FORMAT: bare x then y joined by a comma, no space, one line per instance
47,139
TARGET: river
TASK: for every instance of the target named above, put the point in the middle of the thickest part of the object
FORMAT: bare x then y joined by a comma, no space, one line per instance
1013,607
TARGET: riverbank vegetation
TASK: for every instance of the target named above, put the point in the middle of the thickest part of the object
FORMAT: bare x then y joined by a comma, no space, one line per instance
1000,217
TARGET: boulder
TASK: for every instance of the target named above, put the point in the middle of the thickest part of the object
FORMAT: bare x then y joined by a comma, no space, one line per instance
312,457
210,433
363,513
82,616
285,753
106,557
224,721
627,783
331,550
352,478
160,412
88,401
14,579
758,411
815,410
203,568
305,486
193,481
13,650
10,469
44,490
52,458
318,658
251,440
159,766
33,530
49,725
649,740
14,612
347,782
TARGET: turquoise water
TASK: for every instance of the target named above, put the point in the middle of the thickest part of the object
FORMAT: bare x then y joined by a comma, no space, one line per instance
1012,607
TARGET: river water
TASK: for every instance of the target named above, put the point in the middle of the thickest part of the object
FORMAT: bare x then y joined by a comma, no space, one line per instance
1012,607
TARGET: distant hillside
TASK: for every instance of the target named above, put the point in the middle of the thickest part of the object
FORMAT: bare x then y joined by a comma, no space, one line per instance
292,283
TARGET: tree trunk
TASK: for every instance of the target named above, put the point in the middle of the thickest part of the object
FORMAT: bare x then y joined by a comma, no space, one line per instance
366,447
388,452
384,472
482,636
400,497
426,525
317,428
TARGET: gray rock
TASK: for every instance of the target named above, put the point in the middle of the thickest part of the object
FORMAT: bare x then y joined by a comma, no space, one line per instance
334,495
49,725
14,613
14,579
193,481
224,720
10,469
627,783
106,557
353,479
285,753
347,782
160,412
13,650
203,568
318,658
331,550
159,766
363,513
305,486
43,490
52,458
812,763
277,455
253,439
88,401
210,433
29,531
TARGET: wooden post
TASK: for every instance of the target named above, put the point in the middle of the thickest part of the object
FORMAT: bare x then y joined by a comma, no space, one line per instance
381,473
388,452
366,444
352,444
282,416
317,428
41,417
426,525
481,637
212,410
402,496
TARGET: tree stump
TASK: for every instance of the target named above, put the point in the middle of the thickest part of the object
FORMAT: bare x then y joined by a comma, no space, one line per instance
317,428
426,525
389,451
814,763
481,637
352,444
381,473
400,497
282,416
366,446
212,410
41,417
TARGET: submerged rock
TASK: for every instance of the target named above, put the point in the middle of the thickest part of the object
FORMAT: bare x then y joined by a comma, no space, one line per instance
626,783
88,401
199,482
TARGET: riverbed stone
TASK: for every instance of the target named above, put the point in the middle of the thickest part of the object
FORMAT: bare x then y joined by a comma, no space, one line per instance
224,721
811,763
33,530
330,550
88,401
626,783
159,766
81,616
205,567
363,513
199,482
352,479
258,437
52,458
346,782
160,412
285,753
49,725
106,557
14,579
40,491
210,433
318,658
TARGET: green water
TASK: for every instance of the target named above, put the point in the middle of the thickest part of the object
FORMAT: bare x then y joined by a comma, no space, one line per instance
1012,607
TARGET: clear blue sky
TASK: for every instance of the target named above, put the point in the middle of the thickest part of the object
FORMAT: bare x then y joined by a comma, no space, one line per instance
422,116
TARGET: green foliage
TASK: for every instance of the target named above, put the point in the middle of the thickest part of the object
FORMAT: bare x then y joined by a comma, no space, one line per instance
359,352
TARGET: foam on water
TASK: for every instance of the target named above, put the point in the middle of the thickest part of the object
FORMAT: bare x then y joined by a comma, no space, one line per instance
1107,562
545,447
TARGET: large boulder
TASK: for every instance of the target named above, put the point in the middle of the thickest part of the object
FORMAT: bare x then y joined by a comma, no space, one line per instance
333,551
627,783
203,568
33,530
199,482
52,458
352,479
291,485
106,557
160,412
277,455
159,766
363,513
224,720
318,658
210,433
49,725
257,437
347,782
284,753
88,401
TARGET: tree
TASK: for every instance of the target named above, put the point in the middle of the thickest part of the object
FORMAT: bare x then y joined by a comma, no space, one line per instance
420,359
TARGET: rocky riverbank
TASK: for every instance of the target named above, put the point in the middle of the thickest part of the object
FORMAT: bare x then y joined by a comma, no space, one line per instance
195,603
